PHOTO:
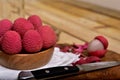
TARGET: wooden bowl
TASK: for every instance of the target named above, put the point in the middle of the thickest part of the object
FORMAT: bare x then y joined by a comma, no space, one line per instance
26,61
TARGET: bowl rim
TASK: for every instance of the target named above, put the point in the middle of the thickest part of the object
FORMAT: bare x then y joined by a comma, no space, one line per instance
27,53
12,61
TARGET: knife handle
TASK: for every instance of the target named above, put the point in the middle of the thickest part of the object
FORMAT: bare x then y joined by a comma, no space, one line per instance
55,72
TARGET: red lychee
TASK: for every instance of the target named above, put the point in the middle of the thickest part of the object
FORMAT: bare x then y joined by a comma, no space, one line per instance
48,35
95,45
99,43
98,46
5,25
32,41
11,42
35,20
103,40
21,25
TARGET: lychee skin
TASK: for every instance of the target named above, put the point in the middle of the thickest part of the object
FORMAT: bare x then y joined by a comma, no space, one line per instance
81,61
0,42
91,59
35,20
98,53
11,42
48,35
5,25
21,26
32,41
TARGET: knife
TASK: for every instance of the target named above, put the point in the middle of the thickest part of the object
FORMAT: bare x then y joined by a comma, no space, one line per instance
55,72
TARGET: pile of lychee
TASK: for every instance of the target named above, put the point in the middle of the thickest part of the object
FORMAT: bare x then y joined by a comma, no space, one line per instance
28,35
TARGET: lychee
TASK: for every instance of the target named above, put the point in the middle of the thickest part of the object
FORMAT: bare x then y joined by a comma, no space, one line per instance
5,25
48,35
21,25
98,46
35,20
32,41
99,43
103,40
95,45
11,42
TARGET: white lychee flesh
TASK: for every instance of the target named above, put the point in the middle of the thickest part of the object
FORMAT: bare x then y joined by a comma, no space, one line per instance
95,45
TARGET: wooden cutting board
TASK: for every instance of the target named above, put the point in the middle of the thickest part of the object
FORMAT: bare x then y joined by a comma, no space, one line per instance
104,74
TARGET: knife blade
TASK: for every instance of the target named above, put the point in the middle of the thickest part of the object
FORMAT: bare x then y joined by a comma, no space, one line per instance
60,71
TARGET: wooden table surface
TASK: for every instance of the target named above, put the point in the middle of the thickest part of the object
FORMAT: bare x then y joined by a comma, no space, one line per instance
74,21
77,22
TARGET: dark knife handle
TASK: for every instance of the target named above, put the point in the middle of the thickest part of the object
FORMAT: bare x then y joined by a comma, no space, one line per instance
55,72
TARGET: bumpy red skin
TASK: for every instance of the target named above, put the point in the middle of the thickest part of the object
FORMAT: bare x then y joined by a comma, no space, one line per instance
5,25
0,42
11,42
98,53
48,35
32,41
21,25
35,20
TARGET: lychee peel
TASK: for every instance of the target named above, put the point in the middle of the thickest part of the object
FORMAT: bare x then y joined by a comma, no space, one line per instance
5,25
103,40
21,25
35,20
32,41
98,53
0,42
48,35
11,42
92,59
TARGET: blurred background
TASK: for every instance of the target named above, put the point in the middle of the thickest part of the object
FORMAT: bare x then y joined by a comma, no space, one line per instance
75,21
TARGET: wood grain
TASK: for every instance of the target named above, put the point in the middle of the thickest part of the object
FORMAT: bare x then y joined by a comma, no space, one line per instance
100,28
71,17
26,61
72,28
76,21
69,7
66,38
104,74
95,8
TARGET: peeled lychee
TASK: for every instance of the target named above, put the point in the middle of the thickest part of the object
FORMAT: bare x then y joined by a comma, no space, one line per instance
21,25
11,42
98,46
32,41
99,43
35,20
48,35
95,45
5,25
